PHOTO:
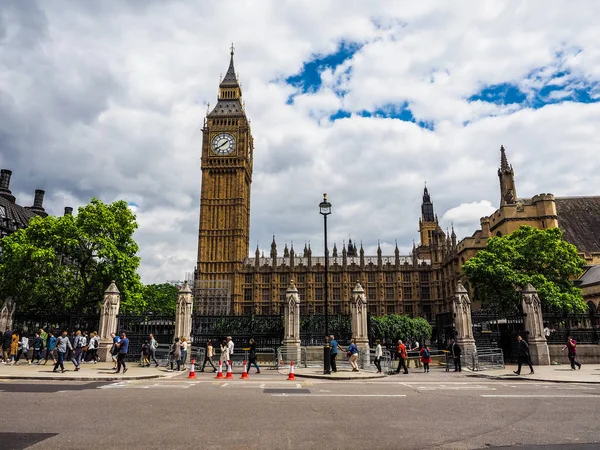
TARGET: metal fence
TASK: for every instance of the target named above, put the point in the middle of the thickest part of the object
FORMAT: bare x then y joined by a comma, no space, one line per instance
584,328
139,327
31,323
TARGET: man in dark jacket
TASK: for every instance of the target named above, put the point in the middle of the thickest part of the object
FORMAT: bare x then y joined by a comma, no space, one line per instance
6,340
455,351
523,356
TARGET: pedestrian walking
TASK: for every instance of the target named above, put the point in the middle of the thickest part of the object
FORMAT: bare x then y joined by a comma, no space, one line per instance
402,355
425,353
230,346
63,344
85,343
184,347
208,356
571,345
153,347
378,355
145,359
352,353
175,355
23,348
6,340
14,347
94,346
455,351
523,356
51,348
123,345
224,358
38,348
334,352
77,350
114,350
252,356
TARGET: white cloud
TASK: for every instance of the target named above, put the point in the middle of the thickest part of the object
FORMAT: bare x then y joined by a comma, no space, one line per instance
108,99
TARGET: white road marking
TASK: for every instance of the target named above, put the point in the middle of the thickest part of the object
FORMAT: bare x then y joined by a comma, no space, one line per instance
540,396
337,395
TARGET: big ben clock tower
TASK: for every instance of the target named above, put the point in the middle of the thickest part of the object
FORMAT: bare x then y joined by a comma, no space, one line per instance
224,231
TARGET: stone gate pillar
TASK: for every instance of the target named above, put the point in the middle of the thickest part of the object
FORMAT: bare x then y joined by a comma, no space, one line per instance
291,339
461,307
360,329
7,314
534,323
108,320
183,315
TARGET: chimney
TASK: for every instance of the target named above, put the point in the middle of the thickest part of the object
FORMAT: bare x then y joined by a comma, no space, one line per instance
68,211
38,204
5,185
38,201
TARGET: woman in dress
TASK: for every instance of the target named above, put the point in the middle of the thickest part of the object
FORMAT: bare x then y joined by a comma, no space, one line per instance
425,358
14,347
224,358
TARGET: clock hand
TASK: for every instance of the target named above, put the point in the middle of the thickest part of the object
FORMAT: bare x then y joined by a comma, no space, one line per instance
221,146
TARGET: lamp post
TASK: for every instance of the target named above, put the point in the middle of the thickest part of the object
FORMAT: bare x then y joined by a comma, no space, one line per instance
325,210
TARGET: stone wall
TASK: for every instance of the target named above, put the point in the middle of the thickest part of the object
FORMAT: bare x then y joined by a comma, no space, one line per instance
586,354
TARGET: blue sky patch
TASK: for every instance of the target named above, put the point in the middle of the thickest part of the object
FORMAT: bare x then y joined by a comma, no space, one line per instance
388,111
309,77
560,87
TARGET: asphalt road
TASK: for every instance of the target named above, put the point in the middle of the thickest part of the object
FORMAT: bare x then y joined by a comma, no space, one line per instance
267,412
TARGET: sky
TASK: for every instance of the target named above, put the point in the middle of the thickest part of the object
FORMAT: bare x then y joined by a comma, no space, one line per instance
366,101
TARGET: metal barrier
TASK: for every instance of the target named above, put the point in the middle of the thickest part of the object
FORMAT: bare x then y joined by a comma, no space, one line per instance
483,359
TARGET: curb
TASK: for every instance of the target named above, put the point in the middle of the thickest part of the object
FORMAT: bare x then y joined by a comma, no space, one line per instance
527,378
54,378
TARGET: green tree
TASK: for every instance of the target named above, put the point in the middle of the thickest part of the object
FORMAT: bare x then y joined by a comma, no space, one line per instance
392,327
160,298
528,255
66,263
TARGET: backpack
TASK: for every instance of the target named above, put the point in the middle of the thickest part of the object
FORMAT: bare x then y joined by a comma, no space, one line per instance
426,354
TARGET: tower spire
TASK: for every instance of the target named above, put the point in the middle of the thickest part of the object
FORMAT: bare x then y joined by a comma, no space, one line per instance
504,166
508,190
427,207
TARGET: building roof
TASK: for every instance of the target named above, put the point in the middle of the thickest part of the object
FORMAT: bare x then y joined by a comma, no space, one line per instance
227,108
579,218
17,213
590,277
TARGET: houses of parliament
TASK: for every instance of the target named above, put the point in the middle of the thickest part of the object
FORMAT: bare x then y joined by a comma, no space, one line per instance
227,281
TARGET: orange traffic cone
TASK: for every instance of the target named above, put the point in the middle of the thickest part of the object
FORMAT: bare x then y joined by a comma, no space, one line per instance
245,372
220,371
291,375
192,373
229,372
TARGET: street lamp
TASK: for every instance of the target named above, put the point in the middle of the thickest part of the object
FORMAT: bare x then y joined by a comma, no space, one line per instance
325,210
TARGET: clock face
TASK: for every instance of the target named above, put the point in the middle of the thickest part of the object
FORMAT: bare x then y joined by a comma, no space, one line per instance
223,144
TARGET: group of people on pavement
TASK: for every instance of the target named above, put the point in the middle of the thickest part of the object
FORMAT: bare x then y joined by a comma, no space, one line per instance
42,346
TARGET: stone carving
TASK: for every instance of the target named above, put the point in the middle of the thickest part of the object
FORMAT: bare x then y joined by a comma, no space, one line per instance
108,320
360,332
7,314
534,324
183,314
291,340
462,319
109,312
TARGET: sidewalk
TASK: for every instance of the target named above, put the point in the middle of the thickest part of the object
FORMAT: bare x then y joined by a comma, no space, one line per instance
589,373
89,372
